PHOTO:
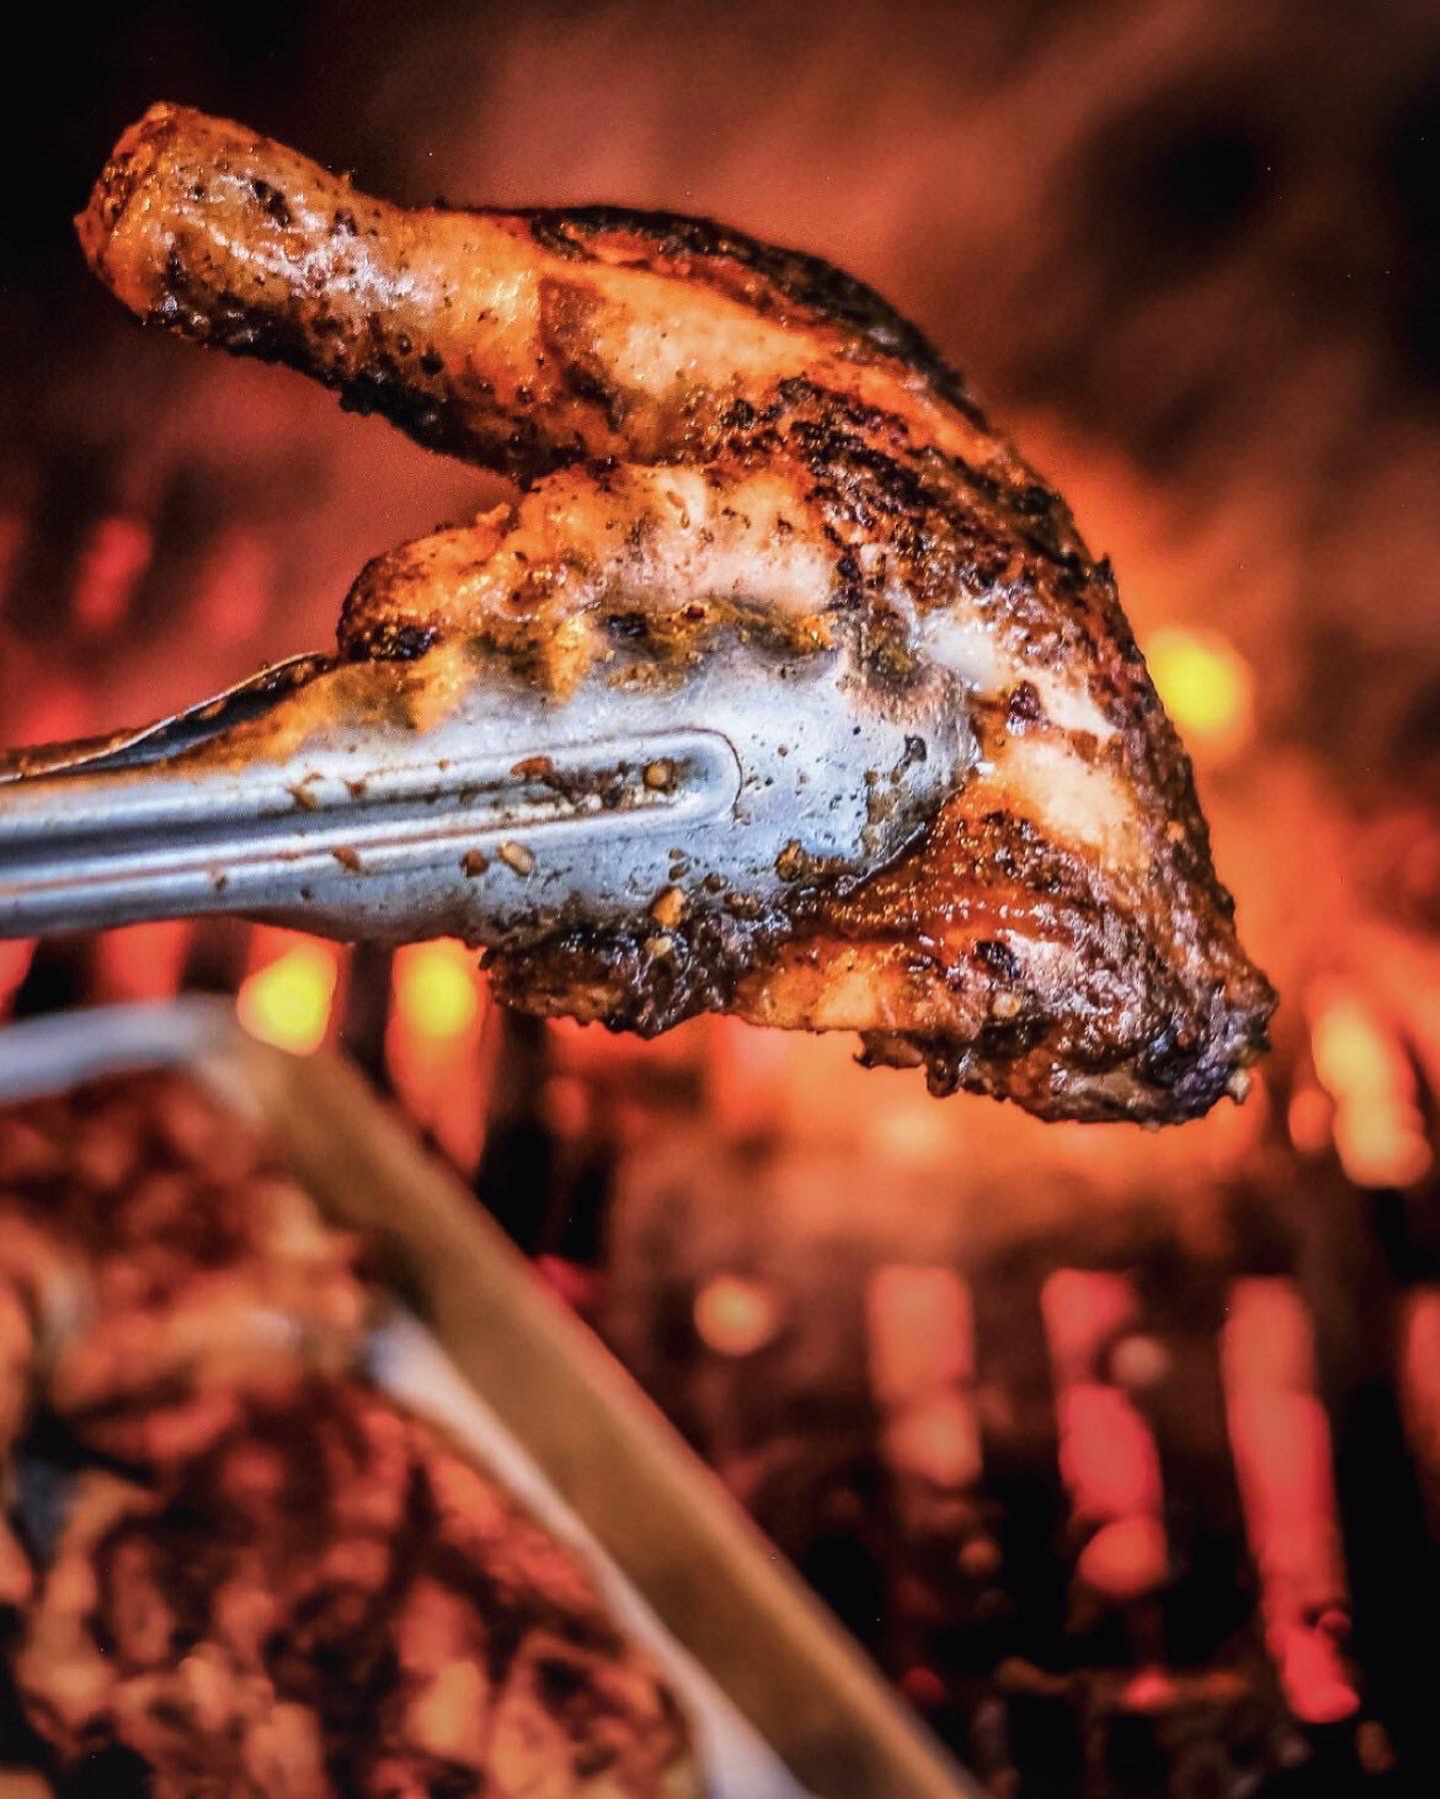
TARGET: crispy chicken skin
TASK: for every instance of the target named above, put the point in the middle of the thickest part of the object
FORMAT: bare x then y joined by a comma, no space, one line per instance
707,430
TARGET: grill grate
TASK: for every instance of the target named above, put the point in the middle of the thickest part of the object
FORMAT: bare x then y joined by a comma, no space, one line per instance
1156,1523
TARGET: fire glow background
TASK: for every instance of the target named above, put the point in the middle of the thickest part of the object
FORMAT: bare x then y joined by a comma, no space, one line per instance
1122,1453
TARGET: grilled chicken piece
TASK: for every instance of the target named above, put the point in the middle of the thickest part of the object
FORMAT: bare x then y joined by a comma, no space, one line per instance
712,432
155,1267
330,1601
41,1291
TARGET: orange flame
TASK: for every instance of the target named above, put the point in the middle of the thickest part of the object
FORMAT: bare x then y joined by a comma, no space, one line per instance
143,961
433,1043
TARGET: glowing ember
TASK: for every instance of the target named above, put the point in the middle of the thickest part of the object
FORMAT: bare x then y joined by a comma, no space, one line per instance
1108,1457
1107,1454
1311,1674
1419,1360
1125,1559
737,1316
1281,1441
921,1345
287,1002
938,1439
575,1285
923,1687
111,564
1138,1362
1149,1690
143,962
980,1558
1082,1309
437,988
921,1332
15,960
1206,685
1374,1749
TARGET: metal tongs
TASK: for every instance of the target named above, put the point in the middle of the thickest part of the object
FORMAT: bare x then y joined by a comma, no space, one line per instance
445,796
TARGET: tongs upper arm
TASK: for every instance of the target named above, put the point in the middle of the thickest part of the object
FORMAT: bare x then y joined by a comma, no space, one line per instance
393,800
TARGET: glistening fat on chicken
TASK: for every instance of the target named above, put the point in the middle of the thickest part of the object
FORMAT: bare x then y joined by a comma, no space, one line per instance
709,431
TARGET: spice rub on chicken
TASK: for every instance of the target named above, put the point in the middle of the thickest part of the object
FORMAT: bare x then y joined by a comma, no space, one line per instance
711,435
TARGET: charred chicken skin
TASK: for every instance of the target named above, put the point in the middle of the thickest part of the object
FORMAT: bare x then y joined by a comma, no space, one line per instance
706,432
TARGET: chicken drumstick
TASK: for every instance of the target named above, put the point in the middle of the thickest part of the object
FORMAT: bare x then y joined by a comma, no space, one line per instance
712,434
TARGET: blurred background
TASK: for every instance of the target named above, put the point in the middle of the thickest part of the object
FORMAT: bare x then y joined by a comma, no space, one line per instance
1120,1452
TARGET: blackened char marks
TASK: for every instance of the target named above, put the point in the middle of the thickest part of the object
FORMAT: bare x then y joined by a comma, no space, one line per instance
1137,1011
388,640
705,248
125,172
373,367
945,524
273,201
568,316
641,980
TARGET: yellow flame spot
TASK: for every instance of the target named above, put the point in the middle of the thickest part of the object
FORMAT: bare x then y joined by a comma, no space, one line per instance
1352,1053
1381,1145
1379,1133
736,1316
287,1002
1206,685
437,988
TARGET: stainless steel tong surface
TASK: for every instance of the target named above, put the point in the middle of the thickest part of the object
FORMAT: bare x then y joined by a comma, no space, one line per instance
446,796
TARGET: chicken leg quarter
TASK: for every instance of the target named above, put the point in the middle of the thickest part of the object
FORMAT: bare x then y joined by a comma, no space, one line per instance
711,435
